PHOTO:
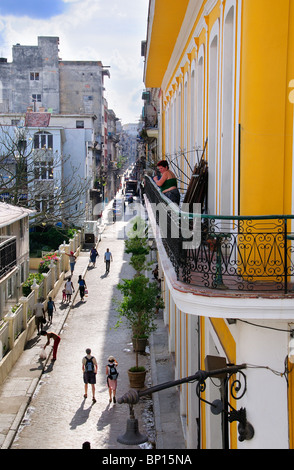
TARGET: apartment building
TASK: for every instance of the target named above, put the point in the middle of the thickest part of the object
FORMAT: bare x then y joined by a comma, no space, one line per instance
38,80
58,154
225,69
14,254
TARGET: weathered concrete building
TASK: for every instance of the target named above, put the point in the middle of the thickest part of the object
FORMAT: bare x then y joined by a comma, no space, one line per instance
32,78
38,80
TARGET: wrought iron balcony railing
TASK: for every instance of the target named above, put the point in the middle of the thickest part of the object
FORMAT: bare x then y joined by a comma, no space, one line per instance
7,255
251,253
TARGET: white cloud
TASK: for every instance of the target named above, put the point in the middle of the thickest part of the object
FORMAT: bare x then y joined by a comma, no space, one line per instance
94,30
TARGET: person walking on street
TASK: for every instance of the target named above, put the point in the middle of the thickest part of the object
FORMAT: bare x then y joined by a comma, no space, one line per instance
39,315
89,373
112,375
93,255
69,289
50,307
72,261
56,340
107,259
82,287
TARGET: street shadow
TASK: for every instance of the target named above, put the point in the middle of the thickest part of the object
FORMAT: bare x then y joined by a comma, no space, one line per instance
104,417
49,368
40,366
78,303
32,342
81,415
63,305
104,275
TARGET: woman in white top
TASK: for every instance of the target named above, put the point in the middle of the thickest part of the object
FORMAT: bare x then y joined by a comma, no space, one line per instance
69,289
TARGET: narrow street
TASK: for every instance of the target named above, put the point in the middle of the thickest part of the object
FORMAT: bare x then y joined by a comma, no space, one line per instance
58,416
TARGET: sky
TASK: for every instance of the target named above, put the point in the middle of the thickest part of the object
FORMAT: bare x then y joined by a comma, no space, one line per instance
107,30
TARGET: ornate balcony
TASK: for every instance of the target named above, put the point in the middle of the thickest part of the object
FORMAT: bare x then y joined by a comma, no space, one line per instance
233,254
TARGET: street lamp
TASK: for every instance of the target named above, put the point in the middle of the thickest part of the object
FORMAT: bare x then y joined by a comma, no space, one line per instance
245,429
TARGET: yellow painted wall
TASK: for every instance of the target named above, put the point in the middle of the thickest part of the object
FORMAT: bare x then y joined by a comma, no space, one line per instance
289,114
264,71
229,346
266,120
168,18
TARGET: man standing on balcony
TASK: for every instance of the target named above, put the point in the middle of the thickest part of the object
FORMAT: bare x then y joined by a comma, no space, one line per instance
39,315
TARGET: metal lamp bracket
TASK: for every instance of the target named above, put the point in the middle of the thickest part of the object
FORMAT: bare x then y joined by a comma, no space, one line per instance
245,429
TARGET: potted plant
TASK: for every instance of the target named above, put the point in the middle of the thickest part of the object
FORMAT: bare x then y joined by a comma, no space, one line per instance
140,299
138,308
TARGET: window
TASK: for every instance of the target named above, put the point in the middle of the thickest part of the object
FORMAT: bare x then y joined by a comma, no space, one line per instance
43,170
36,98
80,124
34,76
43,140
45,204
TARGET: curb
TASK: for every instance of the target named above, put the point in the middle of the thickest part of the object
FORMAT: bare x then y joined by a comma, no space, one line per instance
155,397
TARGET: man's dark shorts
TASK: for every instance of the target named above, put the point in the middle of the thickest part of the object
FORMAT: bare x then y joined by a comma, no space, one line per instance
89,378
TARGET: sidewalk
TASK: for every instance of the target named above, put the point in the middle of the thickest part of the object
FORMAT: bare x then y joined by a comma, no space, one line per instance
20,386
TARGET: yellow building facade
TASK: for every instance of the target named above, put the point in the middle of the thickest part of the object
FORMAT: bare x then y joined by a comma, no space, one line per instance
225,69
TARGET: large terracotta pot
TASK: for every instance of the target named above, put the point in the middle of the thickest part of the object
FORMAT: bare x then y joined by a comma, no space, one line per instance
137,379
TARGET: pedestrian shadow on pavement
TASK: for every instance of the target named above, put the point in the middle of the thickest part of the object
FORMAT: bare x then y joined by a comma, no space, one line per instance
104,417
49,368
79,303
40,366
32,342
81,415
63,305
104,275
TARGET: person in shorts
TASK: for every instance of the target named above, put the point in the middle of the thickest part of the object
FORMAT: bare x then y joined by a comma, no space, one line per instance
89,373
50,308
39,315
112,379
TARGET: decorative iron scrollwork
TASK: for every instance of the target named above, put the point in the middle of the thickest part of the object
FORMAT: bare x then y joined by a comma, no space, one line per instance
237,253
245,429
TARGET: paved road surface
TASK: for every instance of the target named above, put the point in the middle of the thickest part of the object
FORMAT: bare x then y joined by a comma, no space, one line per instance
58,415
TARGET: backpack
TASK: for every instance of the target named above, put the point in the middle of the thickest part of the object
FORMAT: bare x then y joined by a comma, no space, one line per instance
89,366
113,374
